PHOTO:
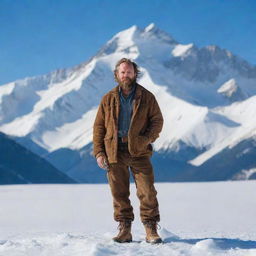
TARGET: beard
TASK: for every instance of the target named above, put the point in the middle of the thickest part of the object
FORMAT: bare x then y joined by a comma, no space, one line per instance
127,83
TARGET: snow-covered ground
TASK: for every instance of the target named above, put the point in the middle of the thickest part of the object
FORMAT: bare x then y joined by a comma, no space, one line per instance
197,219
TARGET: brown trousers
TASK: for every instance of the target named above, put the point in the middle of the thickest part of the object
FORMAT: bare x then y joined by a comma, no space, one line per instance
119,181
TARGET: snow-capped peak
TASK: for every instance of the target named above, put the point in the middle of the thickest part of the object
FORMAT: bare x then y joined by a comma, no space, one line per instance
150,27
121,41
228,88
134,40
57,110
181,49
152,31
127,33
232,91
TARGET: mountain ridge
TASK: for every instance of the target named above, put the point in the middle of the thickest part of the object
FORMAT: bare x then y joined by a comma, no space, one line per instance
194,87
21,166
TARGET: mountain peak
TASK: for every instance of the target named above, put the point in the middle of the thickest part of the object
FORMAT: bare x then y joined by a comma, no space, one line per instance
129,40
195,87
153,31
150,27
128,33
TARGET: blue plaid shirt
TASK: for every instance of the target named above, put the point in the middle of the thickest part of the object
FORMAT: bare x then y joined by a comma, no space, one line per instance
125,113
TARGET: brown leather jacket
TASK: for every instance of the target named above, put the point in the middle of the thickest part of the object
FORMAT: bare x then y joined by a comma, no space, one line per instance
146,124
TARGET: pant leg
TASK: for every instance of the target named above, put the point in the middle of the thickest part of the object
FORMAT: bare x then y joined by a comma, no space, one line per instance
119,181
144,179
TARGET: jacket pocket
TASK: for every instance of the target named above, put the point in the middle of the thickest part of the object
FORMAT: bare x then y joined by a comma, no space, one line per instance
141,144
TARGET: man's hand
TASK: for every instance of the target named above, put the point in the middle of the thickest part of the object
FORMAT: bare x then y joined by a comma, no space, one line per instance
103,162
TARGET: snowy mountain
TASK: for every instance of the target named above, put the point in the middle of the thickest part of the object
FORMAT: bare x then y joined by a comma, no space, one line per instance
20,166
207,96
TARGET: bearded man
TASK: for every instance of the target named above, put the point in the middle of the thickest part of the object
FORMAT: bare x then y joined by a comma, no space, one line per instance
128,121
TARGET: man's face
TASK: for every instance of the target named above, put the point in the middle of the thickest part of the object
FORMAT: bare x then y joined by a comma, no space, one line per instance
126,75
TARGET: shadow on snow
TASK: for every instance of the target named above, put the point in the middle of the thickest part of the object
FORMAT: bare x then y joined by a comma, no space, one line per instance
221,243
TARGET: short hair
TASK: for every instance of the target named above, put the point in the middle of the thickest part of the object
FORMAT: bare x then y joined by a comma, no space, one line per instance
129,62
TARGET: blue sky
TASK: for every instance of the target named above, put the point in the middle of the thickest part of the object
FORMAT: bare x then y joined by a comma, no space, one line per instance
39,36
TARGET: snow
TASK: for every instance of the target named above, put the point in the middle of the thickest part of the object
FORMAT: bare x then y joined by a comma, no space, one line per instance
228,88
79,133
241,113
181,49
245,174
125,38
150,27
196,219
5,90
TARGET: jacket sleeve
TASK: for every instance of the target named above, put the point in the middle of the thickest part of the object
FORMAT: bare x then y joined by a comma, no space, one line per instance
155,121
99,131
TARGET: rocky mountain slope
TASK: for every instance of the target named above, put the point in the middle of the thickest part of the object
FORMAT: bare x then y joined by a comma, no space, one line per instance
207,96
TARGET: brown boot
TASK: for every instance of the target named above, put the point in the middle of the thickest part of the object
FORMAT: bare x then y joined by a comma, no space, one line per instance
151,232
124,235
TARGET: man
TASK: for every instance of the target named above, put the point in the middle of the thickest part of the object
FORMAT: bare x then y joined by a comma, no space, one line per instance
128,121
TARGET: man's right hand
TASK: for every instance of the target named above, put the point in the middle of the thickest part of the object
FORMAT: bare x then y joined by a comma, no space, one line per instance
103,162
